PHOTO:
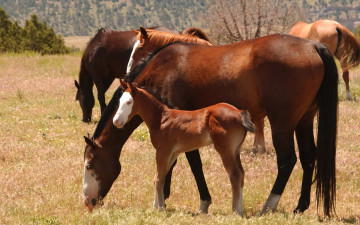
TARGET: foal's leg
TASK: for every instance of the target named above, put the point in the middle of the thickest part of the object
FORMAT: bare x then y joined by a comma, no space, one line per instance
286,158
163,159
305,139
259,140
195,163
236,175
346,80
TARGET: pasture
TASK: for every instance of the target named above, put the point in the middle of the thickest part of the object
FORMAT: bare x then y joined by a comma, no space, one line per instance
41,161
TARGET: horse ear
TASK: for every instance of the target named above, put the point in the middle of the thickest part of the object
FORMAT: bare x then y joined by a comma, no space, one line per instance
123,84
77,84
144,35
89,142
131,87
135,31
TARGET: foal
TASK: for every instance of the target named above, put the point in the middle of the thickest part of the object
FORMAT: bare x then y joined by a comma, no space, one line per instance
176,131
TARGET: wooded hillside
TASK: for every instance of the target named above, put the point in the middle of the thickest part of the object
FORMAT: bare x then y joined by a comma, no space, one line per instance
84,17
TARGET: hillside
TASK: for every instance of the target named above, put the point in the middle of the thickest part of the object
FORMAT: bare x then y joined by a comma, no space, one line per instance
84,17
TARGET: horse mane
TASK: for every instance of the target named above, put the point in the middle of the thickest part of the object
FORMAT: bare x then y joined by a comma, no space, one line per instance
140,66
163,38
196,32
108,112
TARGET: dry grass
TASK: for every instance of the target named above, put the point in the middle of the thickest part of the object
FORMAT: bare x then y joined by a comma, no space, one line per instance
79,42
41,161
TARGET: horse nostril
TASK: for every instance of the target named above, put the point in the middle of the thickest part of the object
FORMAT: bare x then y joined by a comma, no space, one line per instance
93,201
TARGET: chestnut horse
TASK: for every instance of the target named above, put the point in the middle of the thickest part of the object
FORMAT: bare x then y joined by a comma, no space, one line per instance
104,59
148,41
286,78
176,131
341,42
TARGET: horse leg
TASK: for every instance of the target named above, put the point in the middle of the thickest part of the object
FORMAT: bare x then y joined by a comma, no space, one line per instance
346,80
168,181
195,163
305,139
163,160
236,175
283,139
259,141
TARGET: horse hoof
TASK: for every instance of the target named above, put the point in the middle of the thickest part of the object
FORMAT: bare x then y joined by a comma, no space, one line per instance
259,149
204,207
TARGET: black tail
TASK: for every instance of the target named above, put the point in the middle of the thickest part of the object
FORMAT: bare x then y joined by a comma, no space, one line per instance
327,130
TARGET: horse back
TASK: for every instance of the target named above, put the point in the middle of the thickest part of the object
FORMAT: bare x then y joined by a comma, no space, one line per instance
252,75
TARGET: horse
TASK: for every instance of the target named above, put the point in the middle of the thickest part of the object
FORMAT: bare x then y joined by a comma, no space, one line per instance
148,41
287,78
176,131
341,42
104,59
144,36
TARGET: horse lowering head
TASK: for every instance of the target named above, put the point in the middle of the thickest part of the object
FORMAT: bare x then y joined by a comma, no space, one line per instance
148,41
86,100
100,171
127,107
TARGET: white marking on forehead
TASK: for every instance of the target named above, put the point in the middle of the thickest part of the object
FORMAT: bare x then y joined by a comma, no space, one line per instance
90,185
124,110
131,60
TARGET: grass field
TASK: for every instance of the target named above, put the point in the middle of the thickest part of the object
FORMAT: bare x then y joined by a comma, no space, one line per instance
41,161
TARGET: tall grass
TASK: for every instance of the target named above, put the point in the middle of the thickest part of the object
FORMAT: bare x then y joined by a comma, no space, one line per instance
41,161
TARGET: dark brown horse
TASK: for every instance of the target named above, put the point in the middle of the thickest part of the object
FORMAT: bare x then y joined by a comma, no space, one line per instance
341,42
283,77
176,131
105,58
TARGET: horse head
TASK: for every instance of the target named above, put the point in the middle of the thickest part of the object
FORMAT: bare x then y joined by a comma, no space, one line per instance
86,100
101,168
127,107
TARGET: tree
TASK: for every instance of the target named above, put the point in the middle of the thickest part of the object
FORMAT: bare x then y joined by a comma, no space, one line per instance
10,34
232,21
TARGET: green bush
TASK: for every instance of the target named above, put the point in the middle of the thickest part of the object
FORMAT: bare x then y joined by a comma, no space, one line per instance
35,36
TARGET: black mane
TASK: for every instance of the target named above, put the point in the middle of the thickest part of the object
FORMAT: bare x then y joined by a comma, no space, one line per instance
108,112
140,66
131,76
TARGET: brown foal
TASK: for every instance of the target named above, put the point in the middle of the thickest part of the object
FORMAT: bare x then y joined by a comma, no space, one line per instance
176,131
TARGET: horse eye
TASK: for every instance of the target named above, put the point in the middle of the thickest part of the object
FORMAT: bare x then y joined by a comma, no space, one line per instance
129,102
88,167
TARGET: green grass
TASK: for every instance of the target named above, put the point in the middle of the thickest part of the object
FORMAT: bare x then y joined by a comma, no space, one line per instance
41,161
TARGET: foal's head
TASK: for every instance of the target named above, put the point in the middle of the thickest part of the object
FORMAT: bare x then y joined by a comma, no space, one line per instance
127,106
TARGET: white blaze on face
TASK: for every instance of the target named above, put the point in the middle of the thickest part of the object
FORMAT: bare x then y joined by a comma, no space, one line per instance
130,63
90,187
124,110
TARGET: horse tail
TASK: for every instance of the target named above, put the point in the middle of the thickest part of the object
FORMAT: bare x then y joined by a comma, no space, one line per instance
327,130
246,121
348,50
196,32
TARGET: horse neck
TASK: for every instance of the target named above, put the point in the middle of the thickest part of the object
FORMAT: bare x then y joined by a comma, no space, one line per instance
149,109
113,139
158,39
85,81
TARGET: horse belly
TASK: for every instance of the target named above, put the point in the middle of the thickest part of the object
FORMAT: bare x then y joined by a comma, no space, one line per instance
189,143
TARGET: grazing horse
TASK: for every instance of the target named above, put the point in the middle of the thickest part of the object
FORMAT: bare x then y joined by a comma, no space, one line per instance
104,59
286,78
176,131
341,42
